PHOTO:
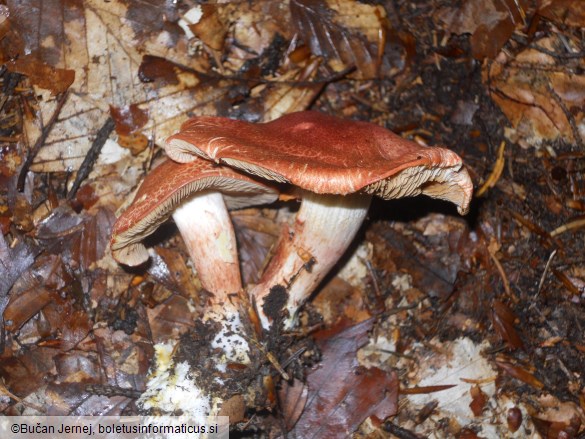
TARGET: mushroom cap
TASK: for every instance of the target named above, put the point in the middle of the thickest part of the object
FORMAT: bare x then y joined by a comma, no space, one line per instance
169,185
326,154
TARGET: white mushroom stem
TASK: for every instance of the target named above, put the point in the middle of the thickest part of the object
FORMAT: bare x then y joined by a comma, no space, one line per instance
208,233
207,230
324,227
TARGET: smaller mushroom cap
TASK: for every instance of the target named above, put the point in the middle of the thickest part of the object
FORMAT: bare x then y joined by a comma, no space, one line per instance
169,185
325,154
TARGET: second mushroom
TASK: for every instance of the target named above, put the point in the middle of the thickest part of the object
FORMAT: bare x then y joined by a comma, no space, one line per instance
197,195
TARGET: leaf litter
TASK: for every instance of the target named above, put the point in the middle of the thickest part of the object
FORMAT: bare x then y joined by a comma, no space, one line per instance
483,315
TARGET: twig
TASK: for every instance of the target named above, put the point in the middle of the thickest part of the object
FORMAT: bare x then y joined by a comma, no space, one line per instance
496,172
571,225
399,432
40,142
546,267
505,281
91,156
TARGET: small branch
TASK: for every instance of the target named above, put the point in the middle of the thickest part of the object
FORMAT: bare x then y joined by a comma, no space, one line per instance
40,142
91,156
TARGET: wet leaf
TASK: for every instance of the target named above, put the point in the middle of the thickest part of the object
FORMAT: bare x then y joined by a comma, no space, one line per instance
43,75
342,391
519,373
504,321
490,23
345,33
292,399
479,400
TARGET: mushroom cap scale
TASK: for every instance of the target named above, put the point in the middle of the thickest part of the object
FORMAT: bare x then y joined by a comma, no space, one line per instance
169,185
325,154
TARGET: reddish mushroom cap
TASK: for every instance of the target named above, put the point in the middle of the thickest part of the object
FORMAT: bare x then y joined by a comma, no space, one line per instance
325,154
165,188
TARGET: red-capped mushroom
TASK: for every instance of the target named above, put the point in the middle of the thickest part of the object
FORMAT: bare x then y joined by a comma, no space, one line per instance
337,165
197,196
193,194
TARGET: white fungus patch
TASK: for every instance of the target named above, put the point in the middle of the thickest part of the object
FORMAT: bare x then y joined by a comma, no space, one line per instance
171,387
234,347
461,361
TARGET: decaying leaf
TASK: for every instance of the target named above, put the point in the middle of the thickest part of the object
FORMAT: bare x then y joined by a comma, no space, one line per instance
519,372
43,75
504,322
542,95
490,23
478,401
344,32
293,398
342,391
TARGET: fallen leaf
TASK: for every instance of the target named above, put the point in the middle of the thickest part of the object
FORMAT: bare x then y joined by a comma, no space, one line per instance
490,23
341,391
292,399
504,321
346,33
519,373
478,400
43,75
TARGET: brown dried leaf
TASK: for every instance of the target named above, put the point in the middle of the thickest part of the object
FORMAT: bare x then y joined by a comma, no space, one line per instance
4,22
173,318
77,367
24,306
124,359
292,398
539,102
212,27
43,75
26,372
568,12
338,299
490,23
104,47
256,233
81,238
169,269
128,119
479,400
155,68
423,390
504,321
343,392
424,251
519,373
345,33
74,399
13,262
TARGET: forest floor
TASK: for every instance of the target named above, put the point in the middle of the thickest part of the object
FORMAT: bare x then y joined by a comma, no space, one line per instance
433,325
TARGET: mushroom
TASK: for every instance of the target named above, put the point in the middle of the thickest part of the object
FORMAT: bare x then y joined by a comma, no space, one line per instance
194,195
197,195
336,166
